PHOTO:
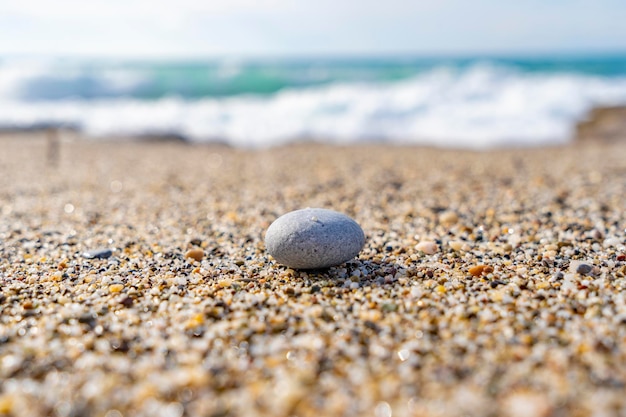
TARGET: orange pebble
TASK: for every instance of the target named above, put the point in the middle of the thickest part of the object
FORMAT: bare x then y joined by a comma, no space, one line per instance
479,270
195,254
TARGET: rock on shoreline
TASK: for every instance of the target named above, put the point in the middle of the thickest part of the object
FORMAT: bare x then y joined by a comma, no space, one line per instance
314,238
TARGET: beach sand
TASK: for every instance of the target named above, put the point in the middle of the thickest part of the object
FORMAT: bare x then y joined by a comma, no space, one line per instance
520,312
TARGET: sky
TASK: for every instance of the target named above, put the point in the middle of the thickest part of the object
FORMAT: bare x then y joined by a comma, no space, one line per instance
191,28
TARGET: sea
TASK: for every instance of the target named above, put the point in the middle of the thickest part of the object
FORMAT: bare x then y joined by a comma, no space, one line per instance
476,102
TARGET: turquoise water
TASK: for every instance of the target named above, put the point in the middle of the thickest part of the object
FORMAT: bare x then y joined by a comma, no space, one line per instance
475,101
152,80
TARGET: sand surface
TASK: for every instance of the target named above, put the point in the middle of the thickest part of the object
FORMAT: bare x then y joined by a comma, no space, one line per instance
538,330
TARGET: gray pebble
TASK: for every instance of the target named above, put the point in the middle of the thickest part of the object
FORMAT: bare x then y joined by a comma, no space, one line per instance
98,254
584,269
314,238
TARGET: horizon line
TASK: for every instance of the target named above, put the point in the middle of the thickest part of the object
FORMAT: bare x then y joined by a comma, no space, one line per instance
332,55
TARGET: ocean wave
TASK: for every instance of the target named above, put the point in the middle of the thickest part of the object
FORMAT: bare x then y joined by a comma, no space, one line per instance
479,106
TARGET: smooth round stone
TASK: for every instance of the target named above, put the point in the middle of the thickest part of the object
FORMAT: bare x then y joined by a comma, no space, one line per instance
314,238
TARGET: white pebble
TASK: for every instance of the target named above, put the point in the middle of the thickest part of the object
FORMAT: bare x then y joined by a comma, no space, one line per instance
428,247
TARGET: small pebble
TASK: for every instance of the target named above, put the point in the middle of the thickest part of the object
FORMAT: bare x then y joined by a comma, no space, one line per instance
581,268
116,288
314,238
479,270
456,245
448,218
612,241
428,247
127,302
98,253
195,254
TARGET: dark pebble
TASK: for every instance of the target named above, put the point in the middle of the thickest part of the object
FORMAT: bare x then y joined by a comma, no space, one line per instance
584,269
98,254
119,345
127,302
89,319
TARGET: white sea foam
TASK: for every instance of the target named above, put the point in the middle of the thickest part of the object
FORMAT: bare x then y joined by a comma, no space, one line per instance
482,106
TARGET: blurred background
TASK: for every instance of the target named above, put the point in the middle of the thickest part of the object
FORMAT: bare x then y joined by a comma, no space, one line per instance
450,73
